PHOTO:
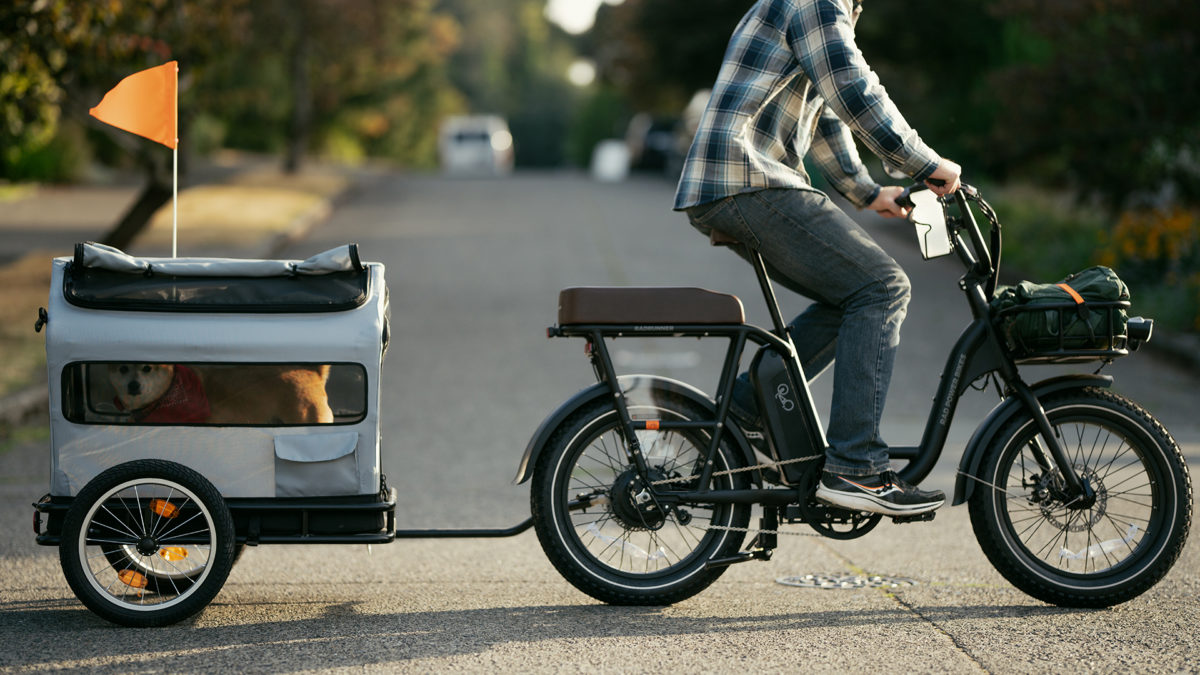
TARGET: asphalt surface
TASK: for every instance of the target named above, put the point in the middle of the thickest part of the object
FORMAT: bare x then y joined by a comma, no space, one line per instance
474,268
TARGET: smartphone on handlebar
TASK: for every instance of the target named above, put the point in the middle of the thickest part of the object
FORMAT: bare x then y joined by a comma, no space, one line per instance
929,217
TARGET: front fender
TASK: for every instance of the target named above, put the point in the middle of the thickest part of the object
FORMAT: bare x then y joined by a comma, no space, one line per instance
599,390
981,440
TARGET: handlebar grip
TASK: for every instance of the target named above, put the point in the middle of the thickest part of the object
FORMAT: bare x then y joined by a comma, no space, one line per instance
904,199
936,182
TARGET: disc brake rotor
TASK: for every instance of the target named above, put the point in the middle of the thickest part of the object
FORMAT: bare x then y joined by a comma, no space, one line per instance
1052,507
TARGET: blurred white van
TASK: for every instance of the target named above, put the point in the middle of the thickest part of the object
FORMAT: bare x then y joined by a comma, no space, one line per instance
475,144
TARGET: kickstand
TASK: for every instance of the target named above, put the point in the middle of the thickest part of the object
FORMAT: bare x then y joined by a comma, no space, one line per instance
760,547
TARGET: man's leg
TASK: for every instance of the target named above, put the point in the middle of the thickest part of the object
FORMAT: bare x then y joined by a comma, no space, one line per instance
812,247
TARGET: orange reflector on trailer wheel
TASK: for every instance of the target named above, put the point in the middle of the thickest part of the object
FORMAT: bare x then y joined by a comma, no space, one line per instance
172,553
164,508
132,578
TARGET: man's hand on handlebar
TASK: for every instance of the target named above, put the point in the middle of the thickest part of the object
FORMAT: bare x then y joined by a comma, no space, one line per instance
885,203
945,179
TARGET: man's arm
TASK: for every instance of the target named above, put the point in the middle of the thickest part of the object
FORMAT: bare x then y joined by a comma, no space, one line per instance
834,153
821,35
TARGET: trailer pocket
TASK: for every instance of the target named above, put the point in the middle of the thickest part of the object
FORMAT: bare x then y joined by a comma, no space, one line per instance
316,464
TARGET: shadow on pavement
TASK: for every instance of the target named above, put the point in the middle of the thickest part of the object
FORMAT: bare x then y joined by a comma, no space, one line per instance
343,636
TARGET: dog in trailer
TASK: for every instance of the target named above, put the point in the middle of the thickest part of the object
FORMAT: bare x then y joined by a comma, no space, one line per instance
159,393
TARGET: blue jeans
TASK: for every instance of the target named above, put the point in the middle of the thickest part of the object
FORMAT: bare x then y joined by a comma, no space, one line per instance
860,299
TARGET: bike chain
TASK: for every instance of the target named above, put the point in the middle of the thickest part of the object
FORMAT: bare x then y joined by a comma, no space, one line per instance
768,465
755,529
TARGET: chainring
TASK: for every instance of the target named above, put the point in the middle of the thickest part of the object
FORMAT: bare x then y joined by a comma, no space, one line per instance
831,521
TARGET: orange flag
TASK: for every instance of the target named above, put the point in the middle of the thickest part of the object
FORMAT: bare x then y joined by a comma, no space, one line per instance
145,104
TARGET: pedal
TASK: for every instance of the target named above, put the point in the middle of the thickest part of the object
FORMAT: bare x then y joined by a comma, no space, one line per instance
918,518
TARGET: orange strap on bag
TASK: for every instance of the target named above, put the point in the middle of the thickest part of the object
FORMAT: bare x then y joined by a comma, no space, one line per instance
1071,292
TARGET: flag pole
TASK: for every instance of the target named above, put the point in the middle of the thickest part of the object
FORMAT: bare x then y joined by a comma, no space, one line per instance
175,203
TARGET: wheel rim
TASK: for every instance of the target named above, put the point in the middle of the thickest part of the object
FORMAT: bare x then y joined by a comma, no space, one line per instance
623,537
1121,525
146,544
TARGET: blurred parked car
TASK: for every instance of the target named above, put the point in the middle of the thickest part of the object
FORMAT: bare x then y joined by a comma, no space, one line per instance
476,144
650,140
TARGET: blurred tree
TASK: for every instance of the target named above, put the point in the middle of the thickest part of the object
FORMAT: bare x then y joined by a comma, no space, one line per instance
61,57
1108,97
513,62
934,61
659,52
346,79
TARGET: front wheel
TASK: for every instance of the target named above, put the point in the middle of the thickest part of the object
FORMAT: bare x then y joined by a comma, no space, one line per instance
601,528
147,543
1075,552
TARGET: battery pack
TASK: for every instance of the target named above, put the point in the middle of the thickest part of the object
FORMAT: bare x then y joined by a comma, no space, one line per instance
787,413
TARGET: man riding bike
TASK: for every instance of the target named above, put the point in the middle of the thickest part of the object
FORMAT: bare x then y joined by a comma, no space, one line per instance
793,84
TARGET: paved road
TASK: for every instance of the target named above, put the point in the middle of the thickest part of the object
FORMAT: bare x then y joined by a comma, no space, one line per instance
474,267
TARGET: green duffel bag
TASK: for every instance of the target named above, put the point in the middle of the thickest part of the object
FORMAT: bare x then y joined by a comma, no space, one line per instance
1081,312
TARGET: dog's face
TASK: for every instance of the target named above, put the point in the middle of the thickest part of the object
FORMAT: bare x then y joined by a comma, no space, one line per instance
140,384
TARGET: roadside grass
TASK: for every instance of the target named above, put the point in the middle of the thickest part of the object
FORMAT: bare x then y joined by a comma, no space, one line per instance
242,214
11,438
24,286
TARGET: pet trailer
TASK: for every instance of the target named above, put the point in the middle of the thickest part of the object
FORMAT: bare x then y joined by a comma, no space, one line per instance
200,405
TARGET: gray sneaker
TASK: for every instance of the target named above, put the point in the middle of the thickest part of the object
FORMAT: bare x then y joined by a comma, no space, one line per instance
882,493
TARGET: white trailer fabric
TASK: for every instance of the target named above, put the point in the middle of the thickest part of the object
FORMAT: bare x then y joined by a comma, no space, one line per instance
326,460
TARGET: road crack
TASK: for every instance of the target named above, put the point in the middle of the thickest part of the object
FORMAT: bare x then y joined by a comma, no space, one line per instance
909,607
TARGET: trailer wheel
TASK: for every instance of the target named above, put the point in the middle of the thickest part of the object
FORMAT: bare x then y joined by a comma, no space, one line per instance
147,543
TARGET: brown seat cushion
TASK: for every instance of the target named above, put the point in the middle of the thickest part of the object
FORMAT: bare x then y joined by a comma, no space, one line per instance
647,306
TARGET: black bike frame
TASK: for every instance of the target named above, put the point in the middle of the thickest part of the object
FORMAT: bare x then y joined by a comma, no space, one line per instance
977,352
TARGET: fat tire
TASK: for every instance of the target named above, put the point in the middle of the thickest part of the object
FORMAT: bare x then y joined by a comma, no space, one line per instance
221,555
581,569
1149,562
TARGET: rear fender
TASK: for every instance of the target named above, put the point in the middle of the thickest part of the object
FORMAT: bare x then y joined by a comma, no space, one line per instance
628,383
972,460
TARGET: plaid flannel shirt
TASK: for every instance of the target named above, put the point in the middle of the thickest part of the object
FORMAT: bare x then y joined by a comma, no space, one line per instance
793,83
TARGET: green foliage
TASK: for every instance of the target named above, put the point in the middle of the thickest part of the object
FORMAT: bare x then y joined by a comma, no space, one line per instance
1047,235
1112,100
62,159
370,73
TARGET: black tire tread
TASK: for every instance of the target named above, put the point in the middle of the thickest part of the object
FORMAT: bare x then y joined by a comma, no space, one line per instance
991,541
555,549
221,559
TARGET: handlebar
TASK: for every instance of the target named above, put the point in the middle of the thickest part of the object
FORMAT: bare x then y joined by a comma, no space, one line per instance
982,261
904,198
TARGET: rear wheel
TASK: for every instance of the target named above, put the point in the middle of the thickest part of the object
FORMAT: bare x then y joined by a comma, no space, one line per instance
598,524
1095,552
147,543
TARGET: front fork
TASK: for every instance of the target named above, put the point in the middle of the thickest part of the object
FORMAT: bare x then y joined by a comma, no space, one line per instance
1079,491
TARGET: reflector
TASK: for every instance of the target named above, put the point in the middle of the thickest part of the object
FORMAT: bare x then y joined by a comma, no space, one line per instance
133,579
164,508
172,553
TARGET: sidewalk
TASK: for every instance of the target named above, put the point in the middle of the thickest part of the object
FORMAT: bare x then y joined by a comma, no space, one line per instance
234,205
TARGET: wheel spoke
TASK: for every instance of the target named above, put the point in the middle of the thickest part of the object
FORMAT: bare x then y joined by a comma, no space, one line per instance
118,521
